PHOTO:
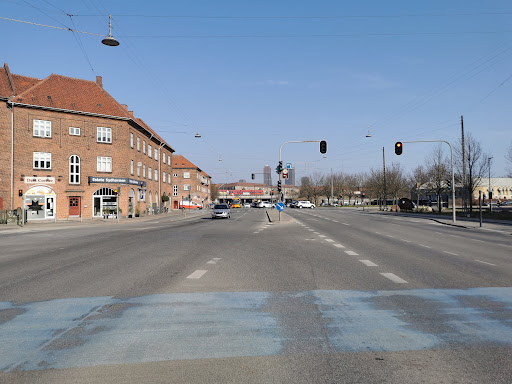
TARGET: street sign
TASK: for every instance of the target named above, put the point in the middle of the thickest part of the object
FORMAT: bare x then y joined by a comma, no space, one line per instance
285,171
280,207
289,165
285,175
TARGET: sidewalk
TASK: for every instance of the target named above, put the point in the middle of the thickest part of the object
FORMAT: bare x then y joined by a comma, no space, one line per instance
174,215
462,222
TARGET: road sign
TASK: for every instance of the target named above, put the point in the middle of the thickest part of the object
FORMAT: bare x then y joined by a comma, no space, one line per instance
285,171
285,175
289,165
280,207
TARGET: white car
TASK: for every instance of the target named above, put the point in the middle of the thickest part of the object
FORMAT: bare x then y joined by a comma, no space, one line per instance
305,204
247,205
264,204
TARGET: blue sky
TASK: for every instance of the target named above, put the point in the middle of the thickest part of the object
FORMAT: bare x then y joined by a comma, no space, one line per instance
251,75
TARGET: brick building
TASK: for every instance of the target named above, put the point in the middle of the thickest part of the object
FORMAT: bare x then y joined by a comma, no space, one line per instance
69,149
190,183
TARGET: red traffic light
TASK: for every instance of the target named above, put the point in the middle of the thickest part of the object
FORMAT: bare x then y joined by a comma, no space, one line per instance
398,148
323,147
20,192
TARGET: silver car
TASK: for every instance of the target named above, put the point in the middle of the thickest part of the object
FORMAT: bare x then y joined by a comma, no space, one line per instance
221,210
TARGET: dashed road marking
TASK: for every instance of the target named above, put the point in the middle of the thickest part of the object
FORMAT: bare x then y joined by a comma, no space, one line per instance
339,246
424,246
214,260
484,262
451,253
322,236
351,253
406,241
197,274
394,278
368,263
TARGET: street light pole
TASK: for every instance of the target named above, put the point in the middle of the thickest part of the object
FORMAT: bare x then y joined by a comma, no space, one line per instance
490,192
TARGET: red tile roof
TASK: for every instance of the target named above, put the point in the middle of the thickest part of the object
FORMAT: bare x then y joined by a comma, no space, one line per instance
181,162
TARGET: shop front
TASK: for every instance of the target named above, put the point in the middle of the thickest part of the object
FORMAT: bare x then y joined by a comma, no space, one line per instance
40,202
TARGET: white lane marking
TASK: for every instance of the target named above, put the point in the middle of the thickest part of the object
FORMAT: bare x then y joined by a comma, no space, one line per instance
339,246
310,230
345,224
214,260
368,263
451,253
484,262
425,246
329,240
389,236
377,233
407,241
197,274
394,278
336,221
316,233
351,253
322,236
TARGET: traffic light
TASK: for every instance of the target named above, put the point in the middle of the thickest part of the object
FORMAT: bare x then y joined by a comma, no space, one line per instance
279,167
279,186
398,148
323,147
115,191
20,192
252,176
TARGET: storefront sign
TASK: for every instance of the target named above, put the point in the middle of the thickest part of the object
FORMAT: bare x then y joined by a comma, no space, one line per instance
39,180
116,180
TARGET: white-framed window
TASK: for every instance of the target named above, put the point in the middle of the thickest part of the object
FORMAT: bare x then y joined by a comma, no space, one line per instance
144,146
186,175
144,171
186,187
163,157
150,173
163,177
169,159
156,174
156,154
131,167
131,140
169,178
104,135
104,164
74,131
42,128
175,175
175,190
42,160
74,169
149,151
138,144
138,170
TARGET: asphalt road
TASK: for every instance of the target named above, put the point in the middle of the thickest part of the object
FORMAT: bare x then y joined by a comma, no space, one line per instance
323,296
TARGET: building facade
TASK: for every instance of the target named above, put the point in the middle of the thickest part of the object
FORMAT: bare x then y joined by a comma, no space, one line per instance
267,175
190,184
69,149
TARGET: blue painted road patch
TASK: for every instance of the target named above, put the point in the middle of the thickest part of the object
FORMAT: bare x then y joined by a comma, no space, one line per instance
83,332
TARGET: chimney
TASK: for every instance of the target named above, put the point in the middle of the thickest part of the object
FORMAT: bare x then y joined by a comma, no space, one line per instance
131,114
99,81
125,107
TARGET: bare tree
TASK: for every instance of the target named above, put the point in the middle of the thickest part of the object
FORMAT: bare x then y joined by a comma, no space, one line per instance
418,178
476,166
396,182
438,173
375,184
508,157
317,183
350,186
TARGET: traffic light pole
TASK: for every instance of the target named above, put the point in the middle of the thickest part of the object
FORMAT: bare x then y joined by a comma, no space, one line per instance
281,162
453,171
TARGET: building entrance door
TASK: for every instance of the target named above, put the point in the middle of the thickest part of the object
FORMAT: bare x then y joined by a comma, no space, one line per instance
74,206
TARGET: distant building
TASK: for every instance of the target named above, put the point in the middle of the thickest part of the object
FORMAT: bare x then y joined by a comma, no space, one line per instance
291,177
267,175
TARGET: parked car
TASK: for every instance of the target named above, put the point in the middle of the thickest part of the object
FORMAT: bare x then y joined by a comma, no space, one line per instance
221,211
305,204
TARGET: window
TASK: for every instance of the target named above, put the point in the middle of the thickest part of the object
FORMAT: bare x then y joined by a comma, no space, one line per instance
104,164
131,167
138,170
156,174
131,140
150,173
138,144
74,169
169,159
42,160
156,154
163,157
104,135
144,171
175,190
42,128
74,131
186,187
169,178
163,177
144,146
175,175
149,150
186,175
